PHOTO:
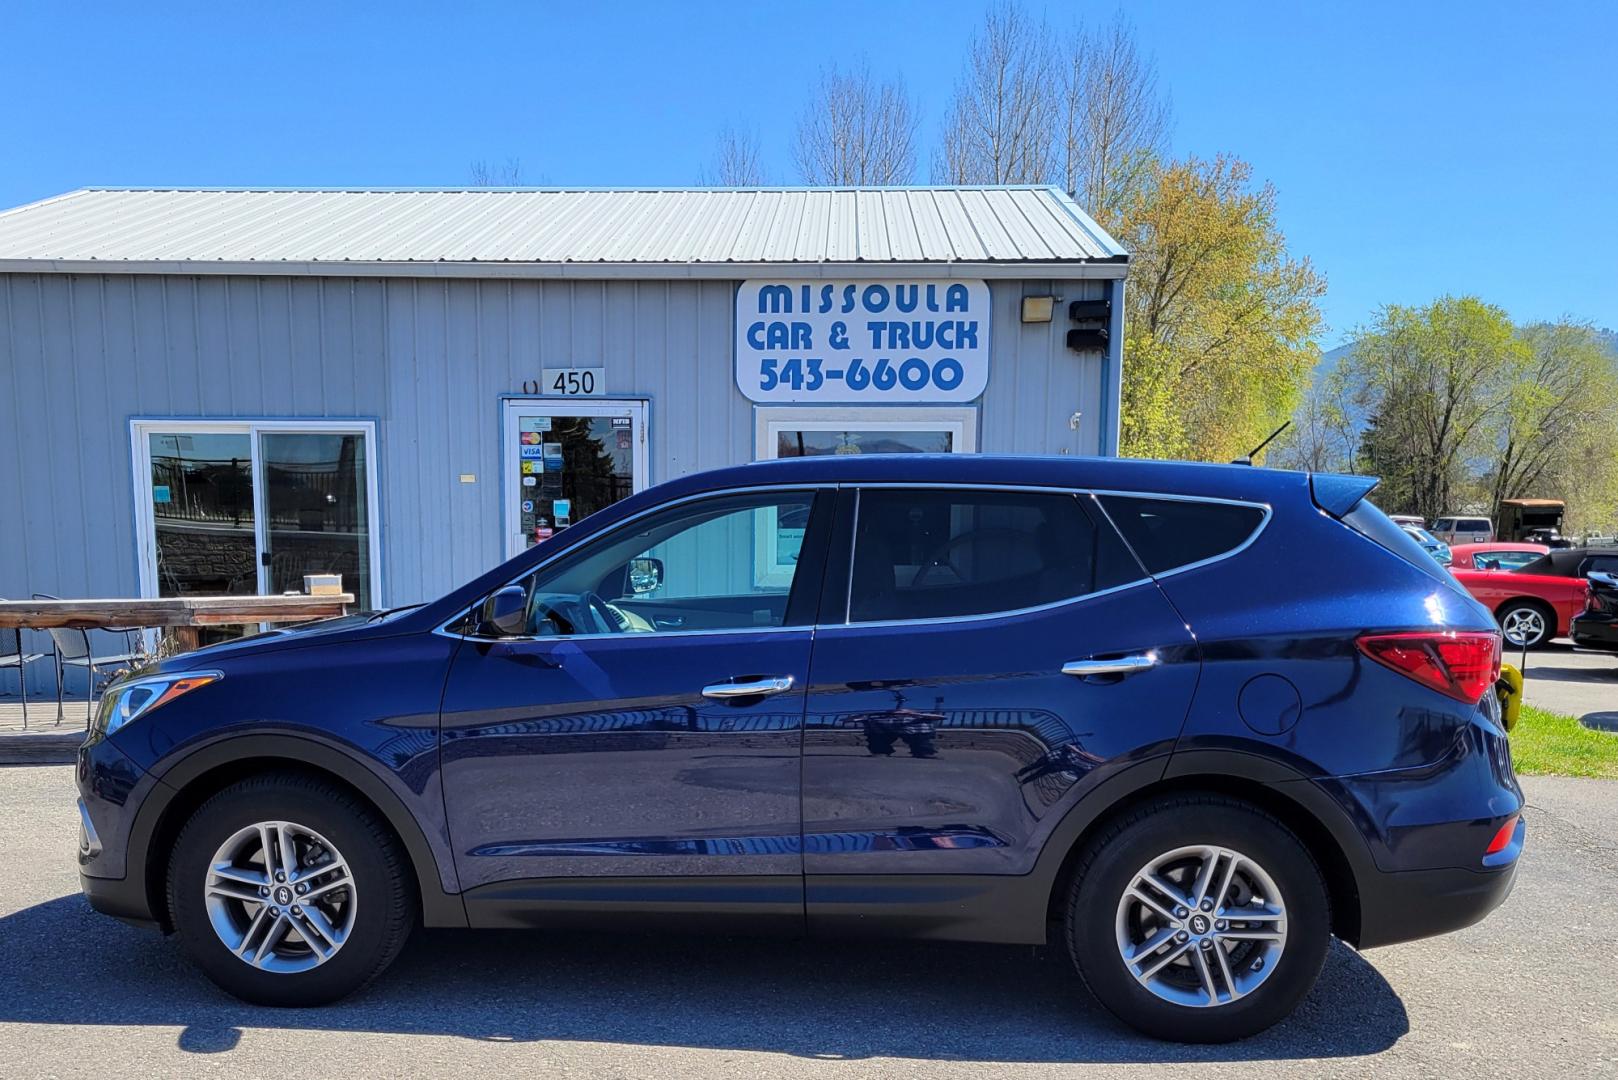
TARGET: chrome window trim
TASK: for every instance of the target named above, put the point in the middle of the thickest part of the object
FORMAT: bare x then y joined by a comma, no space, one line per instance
443,628
858,488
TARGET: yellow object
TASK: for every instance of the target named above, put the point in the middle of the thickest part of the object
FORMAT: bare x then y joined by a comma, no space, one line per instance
1509,689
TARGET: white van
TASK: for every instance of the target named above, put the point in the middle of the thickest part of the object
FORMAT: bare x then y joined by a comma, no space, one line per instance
1463,530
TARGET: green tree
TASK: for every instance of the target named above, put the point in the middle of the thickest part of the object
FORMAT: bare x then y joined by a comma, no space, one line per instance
1221,322
1435,384
1556,433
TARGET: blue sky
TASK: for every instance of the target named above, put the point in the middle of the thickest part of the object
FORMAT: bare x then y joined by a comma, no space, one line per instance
1418,149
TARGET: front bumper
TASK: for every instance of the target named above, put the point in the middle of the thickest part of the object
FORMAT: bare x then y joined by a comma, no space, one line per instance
111,792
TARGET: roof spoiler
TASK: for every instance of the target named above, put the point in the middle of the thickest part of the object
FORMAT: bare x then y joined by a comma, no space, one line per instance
1337,493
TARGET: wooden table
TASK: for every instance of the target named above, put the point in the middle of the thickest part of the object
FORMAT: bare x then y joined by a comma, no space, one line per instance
180,615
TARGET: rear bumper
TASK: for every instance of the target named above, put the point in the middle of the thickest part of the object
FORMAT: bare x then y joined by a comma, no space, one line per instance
1427,831
1594,632
1412,904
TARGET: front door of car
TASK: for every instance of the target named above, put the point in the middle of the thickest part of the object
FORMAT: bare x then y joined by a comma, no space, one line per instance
1002,654
628,737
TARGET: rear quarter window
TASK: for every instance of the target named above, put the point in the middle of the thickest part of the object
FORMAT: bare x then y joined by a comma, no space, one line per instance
1167,534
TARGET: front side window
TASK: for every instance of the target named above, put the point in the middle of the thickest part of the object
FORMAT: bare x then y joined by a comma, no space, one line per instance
937,554
728,563
1170,533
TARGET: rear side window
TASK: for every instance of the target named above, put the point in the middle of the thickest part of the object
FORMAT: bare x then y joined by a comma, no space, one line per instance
1443,525
1170,533
1606,564
937,554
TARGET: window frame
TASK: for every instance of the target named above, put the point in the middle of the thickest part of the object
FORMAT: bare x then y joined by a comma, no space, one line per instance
813,490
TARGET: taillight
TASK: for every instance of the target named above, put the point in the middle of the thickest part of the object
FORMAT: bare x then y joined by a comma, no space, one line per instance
1461,663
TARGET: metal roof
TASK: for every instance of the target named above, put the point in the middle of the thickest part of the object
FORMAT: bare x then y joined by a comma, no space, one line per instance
688,232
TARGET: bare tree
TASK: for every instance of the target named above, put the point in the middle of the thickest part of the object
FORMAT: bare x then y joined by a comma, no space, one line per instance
1116,120
485,174
1000,125
856,132
736,161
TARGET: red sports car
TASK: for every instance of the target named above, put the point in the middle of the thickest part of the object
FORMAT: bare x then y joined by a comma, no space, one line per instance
1531,607
1498,555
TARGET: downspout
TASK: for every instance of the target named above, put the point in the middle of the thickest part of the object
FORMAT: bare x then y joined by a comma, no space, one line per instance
1112,366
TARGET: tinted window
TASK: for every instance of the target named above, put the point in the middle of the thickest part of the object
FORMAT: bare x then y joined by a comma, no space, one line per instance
1443,525
724,563
926,554
1167,533
1607,564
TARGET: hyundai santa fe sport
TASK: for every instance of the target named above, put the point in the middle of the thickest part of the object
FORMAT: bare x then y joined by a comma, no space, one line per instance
1112,705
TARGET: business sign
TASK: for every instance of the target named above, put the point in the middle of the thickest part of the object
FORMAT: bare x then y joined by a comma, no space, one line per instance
873,342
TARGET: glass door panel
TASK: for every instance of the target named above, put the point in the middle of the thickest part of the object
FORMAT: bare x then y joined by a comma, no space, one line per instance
202,503
317,519
565,461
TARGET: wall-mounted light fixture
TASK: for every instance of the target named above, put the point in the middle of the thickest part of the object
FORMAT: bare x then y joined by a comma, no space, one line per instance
1038,308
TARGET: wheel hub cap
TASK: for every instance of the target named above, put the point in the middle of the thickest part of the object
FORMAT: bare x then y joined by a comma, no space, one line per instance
280,896
1201,926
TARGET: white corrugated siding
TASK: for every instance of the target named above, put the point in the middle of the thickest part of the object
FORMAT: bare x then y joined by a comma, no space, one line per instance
616,227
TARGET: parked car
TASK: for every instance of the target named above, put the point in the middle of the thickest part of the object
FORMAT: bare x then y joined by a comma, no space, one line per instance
1537,600
1110,696
1494,556
1463,529
1596,627
1431,544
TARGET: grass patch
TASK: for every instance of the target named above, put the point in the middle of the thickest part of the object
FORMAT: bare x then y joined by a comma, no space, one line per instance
1550,744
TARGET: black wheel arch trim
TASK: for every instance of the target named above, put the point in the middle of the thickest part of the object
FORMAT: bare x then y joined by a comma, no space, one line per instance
439,907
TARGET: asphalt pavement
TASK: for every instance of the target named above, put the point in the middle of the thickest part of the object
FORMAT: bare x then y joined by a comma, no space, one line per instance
1577,682
1529,992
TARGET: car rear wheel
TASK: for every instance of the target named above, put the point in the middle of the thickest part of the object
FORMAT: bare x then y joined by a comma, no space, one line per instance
288,890
1524,623
1198,918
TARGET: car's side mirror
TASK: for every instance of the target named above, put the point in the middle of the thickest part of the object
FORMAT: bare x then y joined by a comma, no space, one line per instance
505,613
645,575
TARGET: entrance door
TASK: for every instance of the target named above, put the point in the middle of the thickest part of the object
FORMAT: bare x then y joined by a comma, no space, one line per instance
564,460
241,507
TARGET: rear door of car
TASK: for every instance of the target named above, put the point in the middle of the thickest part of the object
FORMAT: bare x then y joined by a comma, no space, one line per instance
992,654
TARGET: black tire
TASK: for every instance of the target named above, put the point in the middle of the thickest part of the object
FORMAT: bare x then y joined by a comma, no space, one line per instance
383,918
1546,613
1107,866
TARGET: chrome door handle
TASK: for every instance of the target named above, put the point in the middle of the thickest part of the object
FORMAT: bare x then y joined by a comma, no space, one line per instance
761,687
1122,665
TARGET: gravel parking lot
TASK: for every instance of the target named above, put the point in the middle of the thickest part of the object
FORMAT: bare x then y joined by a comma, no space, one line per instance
1529,992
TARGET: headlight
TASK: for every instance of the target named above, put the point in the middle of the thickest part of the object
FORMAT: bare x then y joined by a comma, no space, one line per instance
131,700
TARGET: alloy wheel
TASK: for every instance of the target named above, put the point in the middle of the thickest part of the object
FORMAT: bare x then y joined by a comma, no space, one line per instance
1201,926
1523,624
280,897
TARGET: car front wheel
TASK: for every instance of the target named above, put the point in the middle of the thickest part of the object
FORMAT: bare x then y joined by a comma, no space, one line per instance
1198,918
288,890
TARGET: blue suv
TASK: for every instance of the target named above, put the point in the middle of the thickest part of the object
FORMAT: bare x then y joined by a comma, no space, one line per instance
1117,705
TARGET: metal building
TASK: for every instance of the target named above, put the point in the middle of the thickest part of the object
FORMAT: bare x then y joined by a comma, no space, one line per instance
221,390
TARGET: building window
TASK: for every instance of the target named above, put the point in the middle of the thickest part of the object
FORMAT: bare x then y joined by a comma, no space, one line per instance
798,431
242,507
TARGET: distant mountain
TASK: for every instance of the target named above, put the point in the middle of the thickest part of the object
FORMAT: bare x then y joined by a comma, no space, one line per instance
1609,338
